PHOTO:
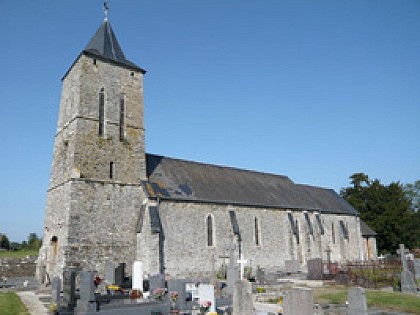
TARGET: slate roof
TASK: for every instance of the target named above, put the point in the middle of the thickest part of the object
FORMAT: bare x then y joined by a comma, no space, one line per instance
366,230
175,179
104,44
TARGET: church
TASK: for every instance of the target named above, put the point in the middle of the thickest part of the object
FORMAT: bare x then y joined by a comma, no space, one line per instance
110,201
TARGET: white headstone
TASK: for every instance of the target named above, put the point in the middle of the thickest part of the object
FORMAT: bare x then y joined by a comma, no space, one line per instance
206,293
137,276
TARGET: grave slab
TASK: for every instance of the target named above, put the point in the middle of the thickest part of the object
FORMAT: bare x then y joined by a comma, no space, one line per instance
357,301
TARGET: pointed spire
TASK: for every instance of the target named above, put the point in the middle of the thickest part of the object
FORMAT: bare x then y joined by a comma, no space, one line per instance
105,44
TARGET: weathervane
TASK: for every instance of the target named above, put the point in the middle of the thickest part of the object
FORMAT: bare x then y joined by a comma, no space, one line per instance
106,8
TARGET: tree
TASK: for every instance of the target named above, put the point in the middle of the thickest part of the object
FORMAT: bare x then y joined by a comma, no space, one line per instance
4,242
386,209
34,243
413,193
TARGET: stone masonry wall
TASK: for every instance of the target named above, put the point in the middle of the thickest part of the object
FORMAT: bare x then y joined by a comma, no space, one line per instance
185,238
94,195
17,267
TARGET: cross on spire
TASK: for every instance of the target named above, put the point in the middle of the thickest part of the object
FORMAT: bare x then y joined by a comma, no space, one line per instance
106,8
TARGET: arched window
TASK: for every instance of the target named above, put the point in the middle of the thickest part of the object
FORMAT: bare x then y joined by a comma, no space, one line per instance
122,117
257,232
101,116
210,230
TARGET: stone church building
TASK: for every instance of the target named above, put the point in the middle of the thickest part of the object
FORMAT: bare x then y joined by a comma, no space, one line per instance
108,200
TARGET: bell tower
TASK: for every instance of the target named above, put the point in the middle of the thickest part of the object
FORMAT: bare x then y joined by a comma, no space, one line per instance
98,162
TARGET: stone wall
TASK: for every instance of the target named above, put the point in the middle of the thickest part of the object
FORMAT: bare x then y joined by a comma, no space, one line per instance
184,238
17,267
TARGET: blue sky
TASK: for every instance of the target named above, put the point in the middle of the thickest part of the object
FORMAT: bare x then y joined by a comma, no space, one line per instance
315,90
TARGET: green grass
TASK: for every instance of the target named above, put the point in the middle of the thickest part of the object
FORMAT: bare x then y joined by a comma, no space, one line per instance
10,304
18,253
376,299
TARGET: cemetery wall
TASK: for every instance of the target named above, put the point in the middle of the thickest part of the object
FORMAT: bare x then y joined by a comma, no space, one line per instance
17,267
185,238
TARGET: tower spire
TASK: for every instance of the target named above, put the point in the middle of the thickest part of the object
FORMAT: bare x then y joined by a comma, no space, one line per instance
106,8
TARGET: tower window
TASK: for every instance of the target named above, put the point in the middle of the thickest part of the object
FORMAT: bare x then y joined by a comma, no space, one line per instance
210,230
101,112
257,232
122,118
111,170
94,62
332,233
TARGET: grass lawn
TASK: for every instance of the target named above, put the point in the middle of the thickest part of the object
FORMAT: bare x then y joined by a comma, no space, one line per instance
10,304
17,254
383,300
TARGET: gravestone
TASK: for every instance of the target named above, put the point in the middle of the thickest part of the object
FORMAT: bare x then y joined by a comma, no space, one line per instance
109,272
86,301
179,285
417,268
408,284
120,274
299,301
206,293
156,281
243,302
56,290
69,289
137,276
315,269
260,275
357,301
291,266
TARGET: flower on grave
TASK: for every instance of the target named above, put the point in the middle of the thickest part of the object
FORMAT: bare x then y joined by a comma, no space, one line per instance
52,308
204,306
97,281
158,293
173,295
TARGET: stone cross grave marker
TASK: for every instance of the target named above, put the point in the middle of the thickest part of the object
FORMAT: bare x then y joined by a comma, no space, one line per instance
357,301
137,276
243,302
242,263
231,274
206,293
408,283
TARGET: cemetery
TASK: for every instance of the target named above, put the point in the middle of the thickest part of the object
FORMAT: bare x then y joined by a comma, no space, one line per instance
237,289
